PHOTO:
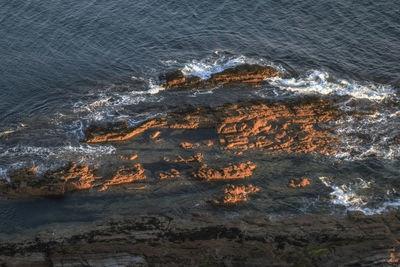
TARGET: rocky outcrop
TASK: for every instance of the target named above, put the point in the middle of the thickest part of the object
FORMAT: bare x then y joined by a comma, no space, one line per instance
245,73
201,239
120,132
171,174
232,171
291,126
235,194
299,182
24,183
126,175
179,159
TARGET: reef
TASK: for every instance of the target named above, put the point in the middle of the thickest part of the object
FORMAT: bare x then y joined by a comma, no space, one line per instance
299,182
291,126
26,183
203,239
171,174
126,175
232,171
235,194
245,73
120,131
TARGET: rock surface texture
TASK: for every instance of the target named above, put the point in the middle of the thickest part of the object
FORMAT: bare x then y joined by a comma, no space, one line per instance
356,240
245,73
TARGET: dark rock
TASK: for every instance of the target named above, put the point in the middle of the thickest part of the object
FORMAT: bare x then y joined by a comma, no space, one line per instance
246,73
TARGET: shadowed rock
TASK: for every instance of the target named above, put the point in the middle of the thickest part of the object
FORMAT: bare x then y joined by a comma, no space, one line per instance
251,240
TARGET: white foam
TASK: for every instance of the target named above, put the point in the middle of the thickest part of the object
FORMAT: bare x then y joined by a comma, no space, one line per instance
319,82
349,196
376,130
85,149
205,67
154,88
3,175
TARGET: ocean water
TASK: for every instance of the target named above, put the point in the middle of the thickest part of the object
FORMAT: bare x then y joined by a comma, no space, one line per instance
68,64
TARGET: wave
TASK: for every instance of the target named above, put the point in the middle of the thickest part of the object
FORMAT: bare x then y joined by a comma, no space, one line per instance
371,135
216,62
354,196
19,150
320,82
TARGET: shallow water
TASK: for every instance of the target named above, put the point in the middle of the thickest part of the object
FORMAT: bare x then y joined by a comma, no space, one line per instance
68,65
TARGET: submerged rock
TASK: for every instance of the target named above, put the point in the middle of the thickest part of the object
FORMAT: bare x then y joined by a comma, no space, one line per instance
245,73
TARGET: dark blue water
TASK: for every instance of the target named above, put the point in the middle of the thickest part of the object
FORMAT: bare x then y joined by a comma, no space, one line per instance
67,64
50,50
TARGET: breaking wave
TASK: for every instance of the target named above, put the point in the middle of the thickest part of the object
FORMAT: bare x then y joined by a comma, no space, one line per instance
358,196
320,82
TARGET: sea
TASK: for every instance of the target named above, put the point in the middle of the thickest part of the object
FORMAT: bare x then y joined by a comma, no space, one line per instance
66,65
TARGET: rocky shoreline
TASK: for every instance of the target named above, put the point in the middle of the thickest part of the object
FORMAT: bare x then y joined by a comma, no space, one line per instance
203,240
232,141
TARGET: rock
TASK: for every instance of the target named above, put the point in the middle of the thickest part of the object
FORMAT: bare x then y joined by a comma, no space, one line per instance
291,126
236,194
309,240
118,133
299,182
232,171
155,135
245,73
126,175
171,174
24,183
187,145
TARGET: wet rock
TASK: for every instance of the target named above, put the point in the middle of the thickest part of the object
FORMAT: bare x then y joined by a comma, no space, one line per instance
131,158
187,145
299,182
179,159
236,194
25,183
310,240
126,175
232,171
120,132
171,174
245,73
155,135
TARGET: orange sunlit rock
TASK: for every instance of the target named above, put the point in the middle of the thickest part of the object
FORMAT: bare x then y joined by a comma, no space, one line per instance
171,174
155,135
278,127
299,182
126,175
232,171
236,194
179,159
77,177
133,157
208,143
196,118
187,145
102,134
